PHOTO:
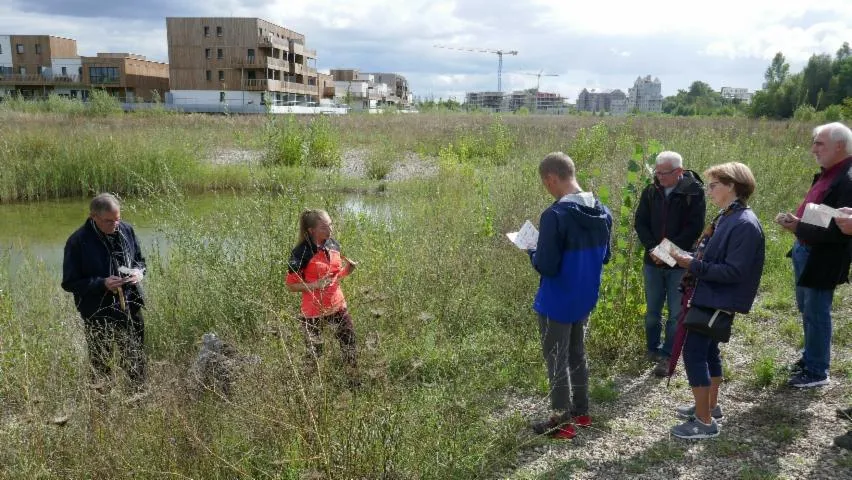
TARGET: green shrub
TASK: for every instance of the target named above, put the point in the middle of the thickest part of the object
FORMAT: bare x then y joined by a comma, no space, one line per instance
323,144
285,141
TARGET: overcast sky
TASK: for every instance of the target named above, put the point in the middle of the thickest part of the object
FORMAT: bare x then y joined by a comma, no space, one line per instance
587,44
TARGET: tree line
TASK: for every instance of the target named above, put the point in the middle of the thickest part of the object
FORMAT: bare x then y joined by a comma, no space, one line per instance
824,85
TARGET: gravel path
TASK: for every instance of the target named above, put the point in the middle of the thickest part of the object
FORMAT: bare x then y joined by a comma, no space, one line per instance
767,433
409,165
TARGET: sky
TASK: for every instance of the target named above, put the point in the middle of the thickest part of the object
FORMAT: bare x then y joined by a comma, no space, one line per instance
574,45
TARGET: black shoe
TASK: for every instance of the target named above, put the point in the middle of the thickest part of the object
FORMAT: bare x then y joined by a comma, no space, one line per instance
844,441
661,370
797,367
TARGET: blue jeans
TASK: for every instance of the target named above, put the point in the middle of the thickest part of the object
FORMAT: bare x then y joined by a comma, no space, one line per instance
661,284
815,307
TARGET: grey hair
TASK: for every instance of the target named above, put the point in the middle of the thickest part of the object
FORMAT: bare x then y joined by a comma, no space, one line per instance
672,158
104,203
837,132
558,164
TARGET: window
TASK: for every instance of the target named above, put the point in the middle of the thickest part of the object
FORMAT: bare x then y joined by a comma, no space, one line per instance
19,48
207,53
64,71
221,96
1,49
218,31
22,70
38,48
260,32
251,75
220,54
221,75
209,75
251,53
103,75
206,31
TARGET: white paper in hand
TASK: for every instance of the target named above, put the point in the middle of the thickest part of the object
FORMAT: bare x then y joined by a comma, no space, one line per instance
820,215
664,250
526,238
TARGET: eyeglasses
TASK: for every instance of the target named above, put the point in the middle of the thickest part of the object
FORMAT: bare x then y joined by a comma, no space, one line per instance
662,174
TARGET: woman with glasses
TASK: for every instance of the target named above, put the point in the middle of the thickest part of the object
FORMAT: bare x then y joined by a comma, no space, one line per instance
721,278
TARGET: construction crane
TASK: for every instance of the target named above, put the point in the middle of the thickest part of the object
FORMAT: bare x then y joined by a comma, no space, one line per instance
539,75
499,53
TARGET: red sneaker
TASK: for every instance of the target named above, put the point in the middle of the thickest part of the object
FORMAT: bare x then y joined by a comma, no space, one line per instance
566,432
584,421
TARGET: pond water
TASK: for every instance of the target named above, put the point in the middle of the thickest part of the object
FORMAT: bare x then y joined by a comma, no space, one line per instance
39,230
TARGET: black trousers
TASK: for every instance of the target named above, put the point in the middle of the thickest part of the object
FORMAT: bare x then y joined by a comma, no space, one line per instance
105,334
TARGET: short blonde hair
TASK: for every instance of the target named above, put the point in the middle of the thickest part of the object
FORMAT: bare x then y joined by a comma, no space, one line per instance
736,174
558,164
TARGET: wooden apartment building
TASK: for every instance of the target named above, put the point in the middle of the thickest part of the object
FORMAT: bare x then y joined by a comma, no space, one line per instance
240,61
34,66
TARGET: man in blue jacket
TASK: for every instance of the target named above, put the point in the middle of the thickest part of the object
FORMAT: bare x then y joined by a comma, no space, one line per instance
102,267
573,245
672,207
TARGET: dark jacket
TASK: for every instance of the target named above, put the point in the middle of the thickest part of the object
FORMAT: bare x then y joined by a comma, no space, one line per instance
87,263
828,262
573,246
678,217
729,272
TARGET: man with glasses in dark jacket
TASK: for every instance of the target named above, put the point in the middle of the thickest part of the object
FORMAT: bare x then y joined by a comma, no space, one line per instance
102,267
820,255
672,207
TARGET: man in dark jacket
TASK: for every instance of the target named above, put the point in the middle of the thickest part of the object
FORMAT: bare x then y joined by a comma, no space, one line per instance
572,248
821,256
672,207
102,267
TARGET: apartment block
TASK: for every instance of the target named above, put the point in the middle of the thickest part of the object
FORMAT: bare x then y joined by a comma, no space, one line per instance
239,61
34,66
370,90
645,95
736,94
611,101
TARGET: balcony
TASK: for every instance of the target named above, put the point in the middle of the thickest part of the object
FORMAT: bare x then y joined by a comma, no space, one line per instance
256,84
273,41
258,62
36,79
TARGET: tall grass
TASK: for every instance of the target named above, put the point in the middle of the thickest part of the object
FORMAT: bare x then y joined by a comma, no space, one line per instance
441,300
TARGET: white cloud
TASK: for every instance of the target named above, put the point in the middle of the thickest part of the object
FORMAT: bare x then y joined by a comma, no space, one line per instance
588,44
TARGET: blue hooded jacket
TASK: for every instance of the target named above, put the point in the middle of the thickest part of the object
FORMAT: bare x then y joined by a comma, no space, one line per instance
573,245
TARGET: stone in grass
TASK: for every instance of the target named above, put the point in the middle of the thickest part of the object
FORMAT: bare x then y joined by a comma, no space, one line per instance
217,366
60,420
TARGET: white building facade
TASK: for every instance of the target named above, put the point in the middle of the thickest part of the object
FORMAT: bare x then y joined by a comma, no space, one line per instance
645,95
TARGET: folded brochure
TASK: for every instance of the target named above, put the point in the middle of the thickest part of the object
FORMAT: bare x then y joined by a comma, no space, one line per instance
526,238
664,250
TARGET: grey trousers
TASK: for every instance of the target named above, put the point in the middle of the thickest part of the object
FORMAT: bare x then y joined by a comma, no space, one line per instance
564,349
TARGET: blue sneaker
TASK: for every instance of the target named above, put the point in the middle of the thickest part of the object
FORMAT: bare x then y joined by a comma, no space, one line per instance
694,430
808,380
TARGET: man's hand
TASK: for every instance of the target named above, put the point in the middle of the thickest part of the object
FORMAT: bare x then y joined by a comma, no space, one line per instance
844,223
112,283
655,258
788,221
